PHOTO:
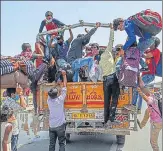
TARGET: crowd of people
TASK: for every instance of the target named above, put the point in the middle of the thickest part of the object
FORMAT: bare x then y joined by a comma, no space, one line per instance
59,60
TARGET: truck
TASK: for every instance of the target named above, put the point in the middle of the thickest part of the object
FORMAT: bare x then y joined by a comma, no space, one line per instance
84,110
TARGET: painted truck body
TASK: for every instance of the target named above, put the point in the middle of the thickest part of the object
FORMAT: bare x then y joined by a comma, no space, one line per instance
84,109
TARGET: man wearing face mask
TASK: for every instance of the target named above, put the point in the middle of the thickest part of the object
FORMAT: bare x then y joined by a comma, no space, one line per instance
13,95
60,49
50,23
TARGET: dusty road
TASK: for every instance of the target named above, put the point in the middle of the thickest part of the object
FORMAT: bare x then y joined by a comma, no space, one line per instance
137,141
78,143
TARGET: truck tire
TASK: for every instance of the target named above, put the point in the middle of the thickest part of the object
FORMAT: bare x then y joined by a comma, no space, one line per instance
67,137
120,139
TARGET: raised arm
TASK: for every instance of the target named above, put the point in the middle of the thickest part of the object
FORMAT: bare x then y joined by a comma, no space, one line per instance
90,33
111,39
142,94
64,89
37,45
71,36
64,78
141,90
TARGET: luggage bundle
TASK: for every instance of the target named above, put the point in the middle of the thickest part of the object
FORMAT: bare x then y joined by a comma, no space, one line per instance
11,80
148,21
15,71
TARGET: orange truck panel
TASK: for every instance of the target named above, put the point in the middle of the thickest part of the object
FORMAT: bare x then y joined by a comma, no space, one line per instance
82,94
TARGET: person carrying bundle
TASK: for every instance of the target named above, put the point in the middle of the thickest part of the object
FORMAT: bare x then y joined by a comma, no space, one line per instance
145,25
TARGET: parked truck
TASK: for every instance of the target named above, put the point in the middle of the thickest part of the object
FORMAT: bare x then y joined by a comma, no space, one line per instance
84,109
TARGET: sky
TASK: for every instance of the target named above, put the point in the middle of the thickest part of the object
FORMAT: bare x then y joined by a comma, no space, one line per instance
20,20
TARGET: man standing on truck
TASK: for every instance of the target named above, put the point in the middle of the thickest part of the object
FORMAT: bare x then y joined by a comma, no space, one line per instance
50,23
57,120
110,81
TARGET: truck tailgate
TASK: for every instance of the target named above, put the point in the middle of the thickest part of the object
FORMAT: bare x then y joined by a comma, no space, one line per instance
84,95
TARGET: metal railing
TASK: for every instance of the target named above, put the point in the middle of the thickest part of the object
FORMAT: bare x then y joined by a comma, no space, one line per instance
80,24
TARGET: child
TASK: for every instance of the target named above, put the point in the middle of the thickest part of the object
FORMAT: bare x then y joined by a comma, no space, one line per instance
6,128
153,113
13,95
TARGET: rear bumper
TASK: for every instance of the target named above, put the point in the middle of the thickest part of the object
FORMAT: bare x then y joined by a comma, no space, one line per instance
98,131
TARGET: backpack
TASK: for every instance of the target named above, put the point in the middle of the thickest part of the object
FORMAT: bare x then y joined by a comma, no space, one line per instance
148,21
128,74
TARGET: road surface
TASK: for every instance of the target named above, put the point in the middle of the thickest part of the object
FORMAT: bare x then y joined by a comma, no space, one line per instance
137,141
78,143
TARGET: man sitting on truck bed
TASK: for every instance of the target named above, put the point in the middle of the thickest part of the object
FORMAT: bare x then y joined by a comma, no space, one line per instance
60,49
110,81
76,51
57,120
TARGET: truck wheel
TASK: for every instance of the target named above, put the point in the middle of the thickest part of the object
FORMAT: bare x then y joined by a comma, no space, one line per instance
67,137
120,139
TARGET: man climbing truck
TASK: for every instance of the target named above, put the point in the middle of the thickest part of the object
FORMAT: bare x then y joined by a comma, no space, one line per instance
84,110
